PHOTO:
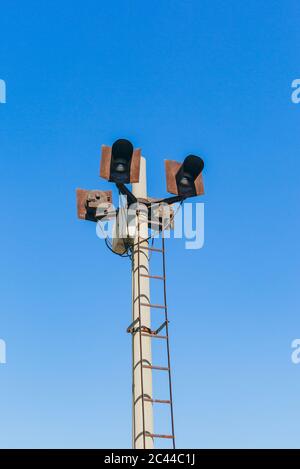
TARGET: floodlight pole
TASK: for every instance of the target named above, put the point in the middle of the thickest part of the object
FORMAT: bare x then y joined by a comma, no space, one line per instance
142,410
122,164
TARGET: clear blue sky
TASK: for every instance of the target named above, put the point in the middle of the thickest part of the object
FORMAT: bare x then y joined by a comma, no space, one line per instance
175,77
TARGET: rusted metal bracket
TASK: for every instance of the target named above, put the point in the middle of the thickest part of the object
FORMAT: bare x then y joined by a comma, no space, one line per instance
93,205
164,324
131,329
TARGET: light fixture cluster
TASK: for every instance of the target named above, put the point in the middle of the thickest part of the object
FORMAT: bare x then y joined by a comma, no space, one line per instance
120,164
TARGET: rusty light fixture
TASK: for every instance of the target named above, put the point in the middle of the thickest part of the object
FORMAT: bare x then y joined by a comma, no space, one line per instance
185,180
121,162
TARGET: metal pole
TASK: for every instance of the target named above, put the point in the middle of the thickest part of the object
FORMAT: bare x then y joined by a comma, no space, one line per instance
142,408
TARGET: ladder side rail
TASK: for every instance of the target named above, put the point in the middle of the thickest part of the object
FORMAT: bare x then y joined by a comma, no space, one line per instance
168,343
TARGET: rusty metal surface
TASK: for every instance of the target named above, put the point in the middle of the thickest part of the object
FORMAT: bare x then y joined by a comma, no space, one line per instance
154,367
150,305
135,165
157,277
105,161
88,202
199,185
148,248
154,336
171,169
158,401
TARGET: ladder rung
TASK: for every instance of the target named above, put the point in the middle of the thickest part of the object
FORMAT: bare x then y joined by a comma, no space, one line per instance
156,435
151,249
158,401
155,336
154,367
158,277
153,306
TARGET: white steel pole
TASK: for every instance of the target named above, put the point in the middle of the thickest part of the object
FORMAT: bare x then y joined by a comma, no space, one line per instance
142,415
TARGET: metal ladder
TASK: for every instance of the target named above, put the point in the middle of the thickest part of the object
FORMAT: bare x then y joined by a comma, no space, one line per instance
137,328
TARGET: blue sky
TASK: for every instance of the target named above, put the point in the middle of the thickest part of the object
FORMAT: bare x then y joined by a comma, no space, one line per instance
205,77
